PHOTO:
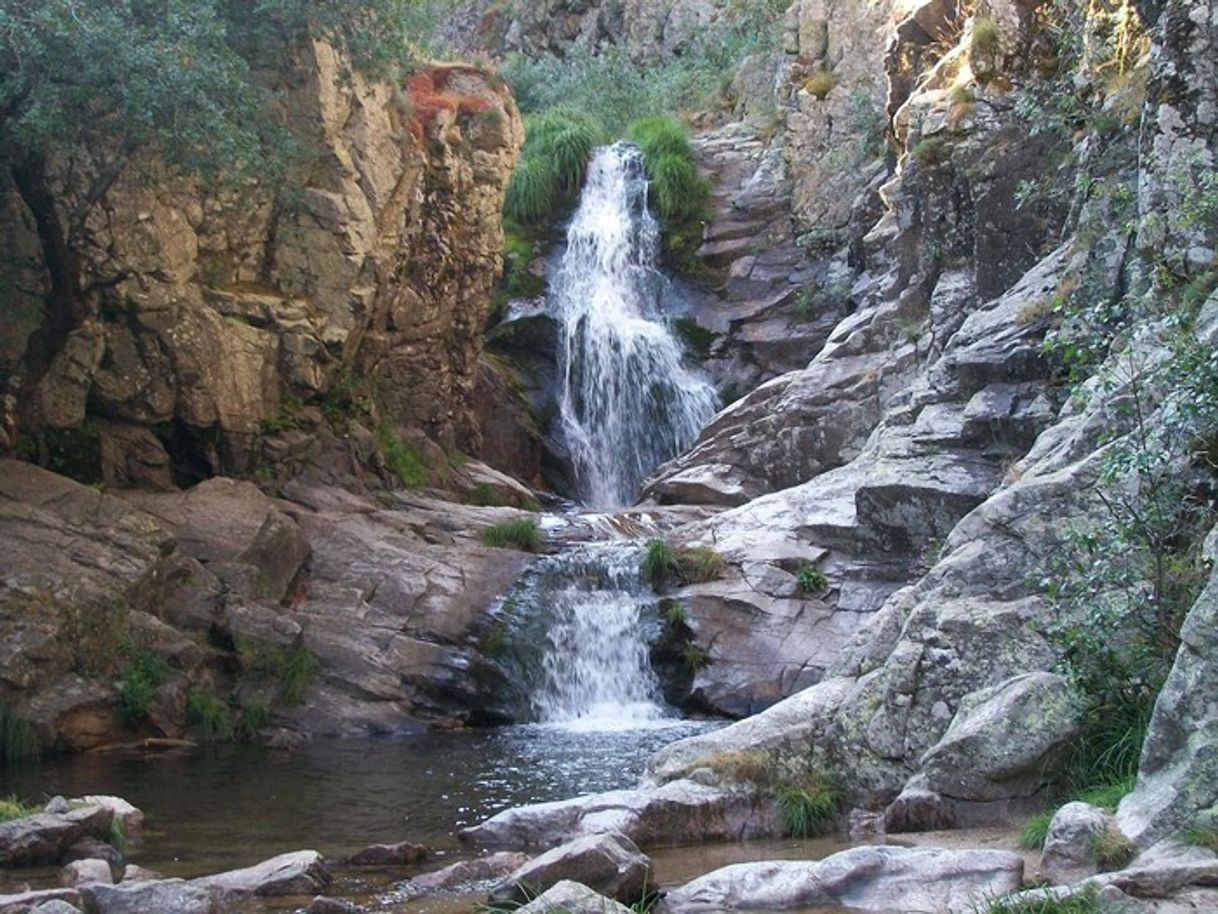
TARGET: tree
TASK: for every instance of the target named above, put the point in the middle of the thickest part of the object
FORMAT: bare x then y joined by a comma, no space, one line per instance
86,84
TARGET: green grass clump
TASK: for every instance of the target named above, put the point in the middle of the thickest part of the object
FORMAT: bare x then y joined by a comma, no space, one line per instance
700,564
820,83
253,719
675,614
558,145
808,806
1034,833
694,657
12,808
678,192
1105,796
139,680
18,739
401,456
1085,902
930,151
292,669
660,563
985,40
1108,796
695,565
206,710
697,339
1112,849
522,533
1202,836
811,580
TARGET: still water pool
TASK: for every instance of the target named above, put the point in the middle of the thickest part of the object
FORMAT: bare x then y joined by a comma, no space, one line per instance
230,806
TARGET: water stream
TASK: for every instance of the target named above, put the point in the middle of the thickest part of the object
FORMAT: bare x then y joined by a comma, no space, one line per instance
627,402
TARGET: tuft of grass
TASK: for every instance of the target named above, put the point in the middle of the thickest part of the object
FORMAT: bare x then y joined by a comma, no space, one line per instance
206,710
558,145
700,564
811,580
522,533
1034,833
139,680
400,456
820,83
1085,902
292,669
930,151
985,40
677,190
675,614
808,806
254,718
660,563
1202,836
1108,796
13,808
18,738
1112,849
694,657
697,339
485,495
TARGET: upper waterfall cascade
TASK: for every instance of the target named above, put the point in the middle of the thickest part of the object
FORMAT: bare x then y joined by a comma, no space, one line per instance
628,402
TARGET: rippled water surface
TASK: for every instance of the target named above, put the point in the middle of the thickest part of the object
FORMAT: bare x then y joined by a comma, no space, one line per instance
232,806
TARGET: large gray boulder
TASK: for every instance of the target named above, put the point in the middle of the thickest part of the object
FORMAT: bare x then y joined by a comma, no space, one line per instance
1071,843
298,873
168,896
1003,739
864,879
568,897
23,902
43,839
609,864
83,872
681,811
1178,776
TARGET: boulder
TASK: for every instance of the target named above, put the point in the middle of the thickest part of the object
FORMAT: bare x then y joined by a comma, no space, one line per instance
1004,738
681,811
323,905
83,872
24,902
1070,845
466,873
298,873
387,855
167,896
133,873
610,864
130,817
572,898
878,879
43,839
93,849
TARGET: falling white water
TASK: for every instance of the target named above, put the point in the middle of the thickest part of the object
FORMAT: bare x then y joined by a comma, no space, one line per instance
627,401
597,674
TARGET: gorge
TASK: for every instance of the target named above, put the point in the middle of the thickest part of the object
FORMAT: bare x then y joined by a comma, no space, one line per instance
801,419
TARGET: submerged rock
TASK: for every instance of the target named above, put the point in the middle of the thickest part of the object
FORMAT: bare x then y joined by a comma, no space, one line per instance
864,879
167,896
323,905
610,864
572,898
466,873
298,873
387,855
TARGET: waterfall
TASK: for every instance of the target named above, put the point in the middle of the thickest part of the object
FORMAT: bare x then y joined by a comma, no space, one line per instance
627,401
584,616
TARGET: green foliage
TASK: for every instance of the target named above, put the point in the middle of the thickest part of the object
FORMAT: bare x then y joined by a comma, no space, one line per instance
1107,796
1036,830
521,533
207,711
679,193
694,657
139,680
73,452
293,669
253,719
558,145
660,563
519,252
402,457
11,807
700,564
811,580
285,418
985,39
820,83
1085,902
808,806
930,151
346,398
1112,849
1202,836
18,739
675,614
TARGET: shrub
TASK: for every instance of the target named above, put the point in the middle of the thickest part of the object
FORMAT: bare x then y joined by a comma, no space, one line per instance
13,808
820,83
18,738
811,580
139,680
522,533
402,457
659,563
808,806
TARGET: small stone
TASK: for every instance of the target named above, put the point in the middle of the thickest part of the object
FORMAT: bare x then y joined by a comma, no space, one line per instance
84,872
56,806
133,873
388,855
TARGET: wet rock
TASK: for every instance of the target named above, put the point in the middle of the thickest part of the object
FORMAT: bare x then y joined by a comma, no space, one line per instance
323,905
675,813
56,806
1070,845
43,839
609,864
918,808
1004,738
387,855
82,872
467,872
864,878
572,898
131,818
24,902
298,873
167,896
133,873
54,907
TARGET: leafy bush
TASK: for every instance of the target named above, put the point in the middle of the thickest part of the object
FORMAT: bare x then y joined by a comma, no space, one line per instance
811,580
18,738
402,457
209,713
139,680
522,533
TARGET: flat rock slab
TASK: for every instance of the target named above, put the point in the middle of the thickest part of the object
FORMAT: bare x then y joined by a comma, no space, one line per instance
43,839
299,873
168,896
466,873
609,864
863,878
570,897
22,902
